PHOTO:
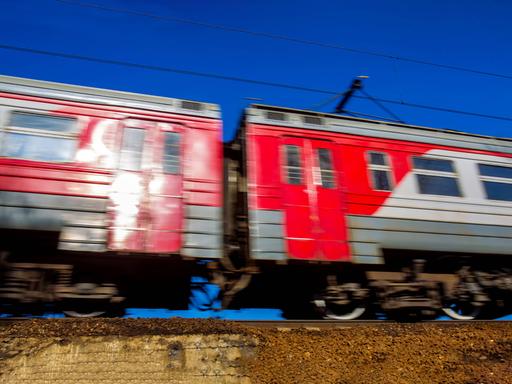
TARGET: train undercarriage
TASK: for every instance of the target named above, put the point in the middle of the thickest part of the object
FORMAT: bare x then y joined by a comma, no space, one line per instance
462,287
35,279
409,286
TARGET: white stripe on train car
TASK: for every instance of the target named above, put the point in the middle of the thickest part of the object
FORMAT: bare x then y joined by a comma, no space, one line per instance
405,202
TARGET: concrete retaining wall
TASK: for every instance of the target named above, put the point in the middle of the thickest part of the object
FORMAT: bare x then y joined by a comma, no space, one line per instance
143,359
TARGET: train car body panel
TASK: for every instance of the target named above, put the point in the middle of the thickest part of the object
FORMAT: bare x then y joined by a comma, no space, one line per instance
147,191
312,201
297,200
396,187
110,171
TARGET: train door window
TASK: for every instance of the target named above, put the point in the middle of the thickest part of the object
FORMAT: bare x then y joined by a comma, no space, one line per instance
293,164
324,158
435,176
380,171
497,181
171,156
35,136
130,158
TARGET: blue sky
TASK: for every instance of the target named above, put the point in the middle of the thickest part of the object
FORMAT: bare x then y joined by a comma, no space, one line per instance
471,34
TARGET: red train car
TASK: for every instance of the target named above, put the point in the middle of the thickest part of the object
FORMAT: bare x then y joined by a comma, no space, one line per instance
94,182
349,205
109,197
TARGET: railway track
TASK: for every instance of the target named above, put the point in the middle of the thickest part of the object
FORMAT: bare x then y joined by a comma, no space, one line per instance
302,324
329,324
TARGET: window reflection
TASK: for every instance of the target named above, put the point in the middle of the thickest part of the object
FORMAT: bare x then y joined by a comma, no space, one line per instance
293,164
380,171
326,169
432,164
497,181
171,158
42,122
130,158
495,171
436,176
498,191
39,137
438,185
41,148
380,180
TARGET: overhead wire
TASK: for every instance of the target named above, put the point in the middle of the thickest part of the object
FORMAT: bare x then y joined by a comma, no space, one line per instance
381,106
286,38
359,114
396,119
327,101
240,79
162,69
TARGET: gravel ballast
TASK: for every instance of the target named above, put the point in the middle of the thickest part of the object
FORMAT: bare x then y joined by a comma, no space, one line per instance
388,353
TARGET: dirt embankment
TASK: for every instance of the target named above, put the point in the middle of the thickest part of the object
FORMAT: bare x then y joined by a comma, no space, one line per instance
412,354
394,353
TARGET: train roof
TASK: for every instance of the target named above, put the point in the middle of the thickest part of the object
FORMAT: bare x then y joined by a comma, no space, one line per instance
101,96
311,120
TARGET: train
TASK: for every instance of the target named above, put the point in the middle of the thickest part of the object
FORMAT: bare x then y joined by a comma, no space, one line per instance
111,199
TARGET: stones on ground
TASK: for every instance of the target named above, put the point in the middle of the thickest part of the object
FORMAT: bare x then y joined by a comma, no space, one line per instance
219,351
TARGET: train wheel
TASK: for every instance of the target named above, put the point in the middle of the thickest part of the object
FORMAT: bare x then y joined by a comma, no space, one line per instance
462,311
84,314
97,310
467,299
342,302
339,312
90,300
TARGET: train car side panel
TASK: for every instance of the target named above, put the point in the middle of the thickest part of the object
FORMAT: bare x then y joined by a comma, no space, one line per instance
266,218
396,189
124,172
296,179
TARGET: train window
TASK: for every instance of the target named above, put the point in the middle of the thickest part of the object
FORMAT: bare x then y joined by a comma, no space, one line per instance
42,122
40,148
432,164
435,176
497,181
326,170
380,171
293,166
438,185
495,171
498,191
192,105
40,137
380,180
278,116
377,158
130,158
313,120
171,158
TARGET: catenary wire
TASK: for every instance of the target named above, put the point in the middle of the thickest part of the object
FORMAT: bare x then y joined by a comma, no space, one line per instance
327,101
359,114
395,118
240,79
381,106
286,38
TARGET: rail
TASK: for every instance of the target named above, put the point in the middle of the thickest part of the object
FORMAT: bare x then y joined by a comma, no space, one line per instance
304,324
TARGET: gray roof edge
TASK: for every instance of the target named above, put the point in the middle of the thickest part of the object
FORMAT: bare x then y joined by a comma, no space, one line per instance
102,96
363,120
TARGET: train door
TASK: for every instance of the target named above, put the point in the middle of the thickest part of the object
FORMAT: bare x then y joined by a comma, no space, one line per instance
313,200
146,198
